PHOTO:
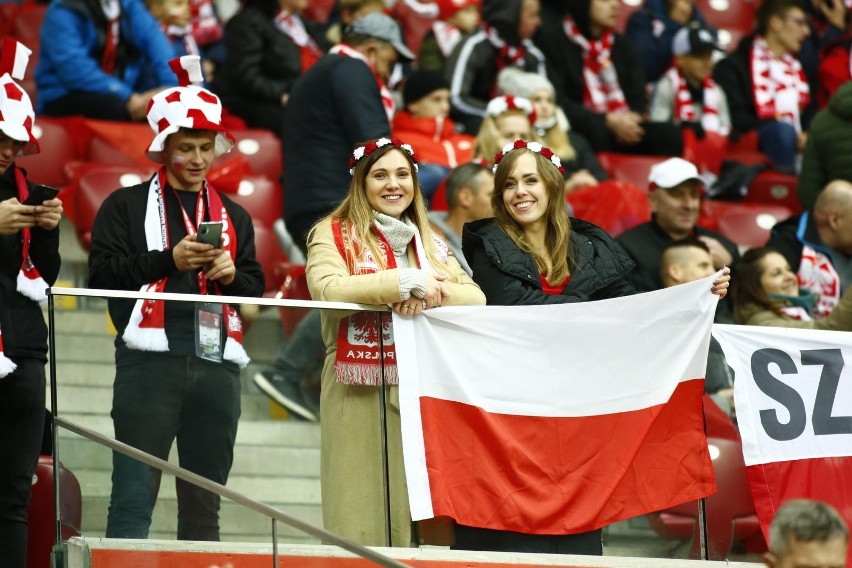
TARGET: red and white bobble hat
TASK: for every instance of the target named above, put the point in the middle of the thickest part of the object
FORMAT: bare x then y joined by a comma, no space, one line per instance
16,110
187,106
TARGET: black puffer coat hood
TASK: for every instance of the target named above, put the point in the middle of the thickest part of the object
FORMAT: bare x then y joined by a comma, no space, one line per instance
504,16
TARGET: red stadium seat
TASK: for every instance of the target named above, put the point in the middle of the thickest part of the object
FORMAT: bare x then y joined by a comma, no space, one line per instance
27,26
261,197
270,257
733,15
629,168
749,227
774,188
8,13
94,186
57,148
261,149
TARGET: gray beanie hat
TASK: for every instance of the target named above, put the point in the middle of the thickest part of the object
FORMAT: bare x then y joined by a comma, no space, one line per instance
518,83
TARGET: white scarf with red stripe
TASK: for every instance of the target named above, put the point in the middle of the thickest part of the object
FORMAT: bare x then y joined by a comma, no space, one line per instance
684,109
447,36
30,284
146,329
779,85
387,97
602,92
184,33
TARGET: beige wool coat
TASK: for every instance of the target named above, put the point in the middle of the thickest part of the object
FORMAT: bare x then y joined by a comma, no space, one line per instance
351,453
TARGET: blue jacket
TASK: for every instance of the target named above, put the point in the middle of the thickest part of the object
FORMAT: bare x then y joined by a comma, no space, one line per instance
654,40
72,39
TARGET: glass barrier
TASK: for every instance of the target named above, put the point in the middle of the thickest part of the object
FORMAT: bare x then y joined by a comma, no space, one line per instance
276,451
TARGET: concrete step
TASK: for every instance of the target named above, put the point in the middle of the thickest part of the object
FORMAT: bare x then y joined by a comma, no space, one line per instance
81,322
249,460
237,522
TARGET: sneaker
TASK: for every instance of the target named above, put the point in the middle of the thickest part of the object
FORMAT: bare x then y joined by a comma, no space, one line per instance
287,394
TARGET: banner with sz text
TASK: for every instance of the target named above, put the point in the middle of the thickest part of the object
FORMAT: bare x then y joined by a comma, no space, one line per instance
556,419
793,399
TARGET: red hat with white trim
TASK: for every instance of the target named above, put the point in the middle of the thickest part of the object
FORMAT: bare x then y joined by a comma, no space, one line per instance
187,106
16,109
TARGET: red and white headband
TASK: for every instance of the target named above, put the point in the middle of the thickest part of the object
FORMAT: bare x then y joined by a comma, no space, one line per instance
505,103
532,147
373,145
187,106
16,109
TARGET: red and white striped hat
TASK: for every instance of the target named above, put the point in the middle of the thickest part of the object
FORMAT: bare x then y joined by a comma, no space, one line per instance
16,109
187,106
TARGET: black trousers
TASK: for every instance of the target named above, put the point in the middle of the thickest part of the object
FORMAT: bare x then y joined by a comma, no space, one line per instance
21,426
101,106
472,538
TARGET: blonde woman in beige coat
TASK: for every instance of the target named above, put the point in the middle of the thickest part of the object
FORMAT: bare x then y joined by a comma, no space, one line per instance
375,248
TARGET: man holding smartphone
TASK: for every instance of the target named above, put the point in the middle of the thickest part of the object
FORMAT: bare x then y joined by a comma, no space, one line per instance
29,263
178,363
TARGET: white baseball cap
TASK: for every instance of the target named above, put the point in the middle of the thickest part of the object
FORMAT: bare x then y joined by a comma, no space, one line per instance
673,172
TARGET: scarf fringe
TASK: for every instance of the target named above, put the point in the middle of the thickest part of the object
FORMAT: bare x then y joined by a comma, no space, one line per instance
6,366
32,288
144,339
365,375
235,353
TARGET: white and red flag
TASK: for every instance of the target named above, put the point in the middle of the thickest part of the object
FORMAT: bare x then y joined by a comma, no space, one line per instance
793,395
556,419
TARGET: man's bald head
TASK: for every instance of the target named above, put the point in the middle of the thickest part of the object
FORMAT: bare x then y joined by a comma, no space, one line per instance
833,215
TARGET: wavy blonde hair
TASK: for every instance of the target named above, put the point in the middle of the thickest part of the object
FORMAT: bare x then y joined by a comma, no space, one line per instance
558,225
489,141
356,209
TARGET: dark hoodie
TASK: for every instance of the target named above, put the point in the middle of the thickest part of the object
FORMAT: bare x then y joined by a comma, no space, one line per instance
826,155
473,66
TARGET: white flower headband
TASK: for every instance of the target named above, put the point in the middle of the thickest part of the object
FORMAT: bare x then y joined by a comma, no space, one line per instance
532,147
505,103
374,145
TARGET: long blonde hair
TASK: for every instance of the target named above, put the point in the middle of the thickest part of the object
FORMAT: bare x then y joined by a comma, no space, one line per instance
489,141
558,229
356,209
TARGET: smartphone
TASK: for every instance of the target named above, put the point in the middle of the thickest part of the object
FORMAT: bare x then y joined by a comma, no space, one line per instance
210,232
40,193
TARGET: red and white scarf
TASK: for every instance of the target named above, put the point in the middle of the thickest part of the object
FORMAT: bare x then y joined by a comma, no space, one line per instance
387,97
796,312
685,111
183,33
817,274
30,284
602,92
779,85
507,55
206,27
112,11
146,329
293,27
358,361
447,36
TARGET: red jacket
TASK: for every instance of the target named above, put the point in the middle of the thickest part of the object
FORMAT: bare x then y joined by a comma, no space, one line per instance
833,70
434,141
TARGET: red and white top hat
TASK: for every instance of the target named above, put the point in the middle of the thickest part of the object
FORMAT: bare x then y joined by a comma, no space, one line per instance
16,110
187,106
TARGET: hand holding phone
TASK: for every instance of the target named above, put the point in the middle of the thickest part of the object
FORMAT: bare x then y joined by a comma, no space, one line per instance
40,193
210,232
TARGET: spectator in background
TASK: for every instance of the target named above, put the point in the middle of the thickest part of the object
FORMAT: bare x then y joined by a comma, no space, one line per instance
507,118
456,19
349,11
379,251
340,101
766,86
818,245
469,189
29,263
675,198
765,291
829,147
92,55
174,17
653,27
269,46
829,26
686,95
208,32
599,79
805,532
834,66
504,41
425,124
552,127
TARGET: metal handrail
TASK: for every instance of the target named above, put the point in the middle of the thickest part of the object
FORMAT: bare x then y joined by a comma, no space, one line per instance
177,471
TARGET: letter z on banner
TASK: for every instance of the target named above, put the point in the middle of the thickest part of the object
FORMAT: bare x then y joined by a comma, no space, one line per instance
556,419
793,395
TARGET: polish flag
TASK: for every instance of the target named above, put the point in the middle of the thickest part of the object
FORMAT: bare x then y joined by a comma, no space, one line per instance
14,57
556,419
793,396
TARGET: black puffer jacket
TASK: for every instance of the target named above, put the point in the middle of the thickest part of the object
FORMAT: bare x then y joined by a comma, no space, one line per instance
509,276
262,61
